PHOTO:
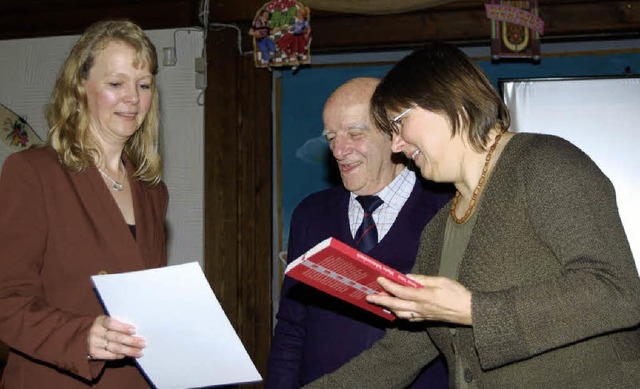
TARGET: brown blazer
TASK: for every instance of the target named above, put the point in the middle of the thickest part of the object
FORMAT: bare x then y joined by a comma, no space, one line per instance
57,229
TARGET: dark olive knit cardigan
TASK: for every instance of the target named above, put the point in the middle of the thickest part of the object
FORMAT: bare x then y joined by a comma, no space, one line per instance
555,291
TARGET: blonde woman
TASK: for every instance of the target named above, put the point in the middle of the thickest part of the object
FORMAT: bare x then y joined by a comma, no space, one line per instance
89,202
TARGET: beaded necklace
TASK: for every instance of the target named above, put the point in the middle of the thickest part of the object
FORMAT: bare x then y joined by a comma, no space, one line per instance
483,177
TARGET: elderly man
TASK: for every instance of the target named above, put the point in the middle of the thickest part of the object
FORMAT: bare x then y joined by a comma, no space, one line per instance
317,333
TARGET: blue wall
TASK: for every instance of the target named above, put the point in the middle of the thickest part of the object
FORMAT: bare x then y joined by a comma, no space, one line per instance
306,165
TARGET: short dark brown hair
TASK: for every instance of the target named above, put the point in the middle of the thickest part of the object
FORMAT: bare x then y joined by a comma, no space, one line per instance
441,78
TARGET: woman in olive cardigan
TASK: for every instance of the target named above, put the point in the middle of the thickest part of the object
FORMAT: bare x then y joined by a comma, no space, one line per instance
529,278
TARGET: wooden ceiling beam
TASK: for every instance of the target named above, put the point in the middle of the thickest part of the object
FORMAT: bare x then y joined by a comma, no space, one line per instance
458,22
577,20
31,18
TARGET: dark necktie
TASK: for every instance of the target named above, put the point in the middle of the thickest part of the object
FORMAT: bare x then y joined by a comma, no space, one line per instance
367,234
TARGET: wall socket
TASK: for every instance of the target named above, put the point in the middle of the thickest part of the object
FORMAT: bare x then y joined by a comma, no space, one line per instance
200,65
201,74
201,81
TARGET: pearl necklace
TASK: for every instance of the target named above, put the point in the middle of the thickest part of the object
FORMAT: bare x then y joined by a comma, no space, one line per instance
483,177
115,185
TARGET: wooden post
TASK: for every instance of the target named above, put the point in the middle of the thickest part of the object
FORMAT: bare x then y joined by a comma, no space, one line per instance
238,205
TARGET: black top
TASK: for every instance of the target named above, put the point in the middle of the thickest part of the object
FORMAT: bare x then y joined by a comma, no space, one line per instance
132,228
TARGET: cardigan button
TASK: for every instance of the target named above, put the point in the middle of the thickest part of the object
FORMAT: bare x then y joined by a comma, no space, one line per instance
468,376
102,272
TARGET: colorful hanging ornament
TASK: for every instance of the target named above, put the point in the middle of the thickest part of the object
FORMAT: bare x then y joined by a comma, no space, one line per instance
15,131
281,34
515,29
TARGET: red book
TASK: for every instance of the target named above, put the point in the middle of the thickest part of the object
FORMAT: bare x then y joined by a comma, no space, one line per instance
346,273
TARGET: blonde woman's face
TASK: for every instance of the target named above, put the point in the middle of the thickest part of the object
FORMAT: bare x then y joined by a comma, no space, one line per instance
118,94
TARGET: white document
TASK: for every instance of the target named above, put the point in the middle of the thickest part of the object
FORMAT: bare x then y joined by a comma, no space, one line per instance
190,341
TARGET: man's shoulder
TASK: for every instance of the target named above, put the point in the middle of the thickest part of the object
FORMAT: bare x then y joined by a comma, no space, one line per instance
325,196
325,199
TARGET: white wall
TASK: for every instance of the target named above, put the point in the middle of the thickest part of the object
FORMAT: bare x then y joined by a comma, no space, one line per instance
28,68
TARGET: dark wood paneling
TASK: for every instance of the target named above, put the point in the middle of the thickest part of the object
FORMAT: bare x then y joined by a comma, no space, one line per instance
221,165
255,206
37,18
238,209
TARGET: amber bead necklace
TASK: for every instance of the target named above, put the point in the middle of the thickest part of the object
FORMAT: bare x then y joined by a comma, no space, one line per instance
483,178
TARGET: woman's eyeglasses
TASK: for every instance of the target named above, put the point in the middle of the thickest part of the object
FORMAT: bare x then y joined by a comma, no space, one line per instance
404,113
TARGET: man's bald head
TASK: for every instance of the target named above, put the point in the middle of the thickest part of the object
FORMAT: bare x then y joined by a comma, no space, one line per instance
355,91
362,151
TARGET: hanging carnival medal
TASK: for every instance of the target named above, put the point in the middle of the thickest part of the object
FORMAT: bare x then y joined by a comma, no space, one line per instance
515,29
281,34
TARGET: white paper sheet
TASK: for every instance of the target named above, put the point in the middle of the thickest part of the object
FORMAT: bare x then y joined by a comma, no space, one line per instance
190,341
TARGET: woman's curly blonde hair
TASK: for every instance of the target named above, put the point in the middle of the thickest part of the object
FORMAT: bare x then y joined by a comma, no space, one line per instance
68,116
